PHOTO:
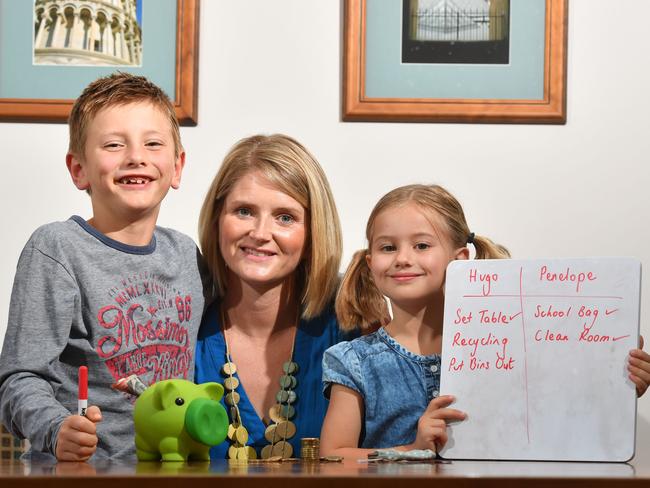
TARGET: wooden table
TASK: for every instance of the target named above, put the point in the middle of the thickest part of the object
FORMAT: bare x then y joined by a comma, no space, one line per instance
330,475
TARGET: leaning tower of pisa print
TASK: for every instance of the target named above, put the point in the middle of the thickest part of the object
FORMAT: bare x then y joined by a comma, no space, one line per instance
84,32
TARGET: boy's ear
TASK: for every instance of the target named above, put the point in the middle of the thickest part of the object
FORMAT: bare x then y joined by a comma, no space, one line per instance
179,164
77,171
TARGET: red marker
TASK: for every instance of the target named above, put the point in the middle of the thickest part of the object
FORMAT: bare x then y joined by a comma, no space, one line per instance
83,391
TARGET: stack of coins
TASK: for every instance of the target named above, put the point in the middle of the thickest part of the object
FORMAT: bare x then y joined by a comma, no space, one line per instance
310,449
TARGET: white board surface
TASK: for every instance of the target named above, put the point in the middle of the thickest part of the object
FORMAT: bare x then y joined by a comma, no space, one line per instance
535,352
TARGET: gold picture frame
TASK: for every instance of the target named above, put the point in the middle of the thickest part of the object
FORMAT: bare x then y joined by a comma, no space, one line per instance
549,109
185,98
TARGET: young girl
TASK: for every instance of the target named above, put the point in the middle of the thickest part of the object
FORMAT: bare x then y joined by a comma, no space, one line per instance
381,383
383,387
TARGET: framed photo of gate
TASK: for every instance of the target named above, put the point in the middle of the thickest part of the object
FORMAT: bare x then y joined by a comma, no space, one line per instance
50,50
471,61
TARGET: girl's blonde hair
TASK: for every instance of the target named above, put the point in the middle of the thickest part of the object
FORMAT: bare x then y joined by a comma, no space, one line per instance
359,303
287,165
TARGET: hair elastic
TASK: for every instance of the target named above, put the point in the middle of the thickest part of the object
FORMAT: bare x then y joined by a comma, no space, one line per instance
470,238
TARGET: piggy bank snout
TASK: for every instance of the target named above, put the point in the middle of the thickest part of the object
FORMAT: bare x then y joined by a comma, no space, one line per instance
206,421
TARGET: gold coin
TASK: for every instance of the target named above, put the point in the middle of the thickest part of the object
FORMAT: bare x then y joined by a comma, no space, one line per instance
287,411
234,416
231,383
275,413
229,368
242,453
250,451
288,382
231,431
241,435
270,434
332,459
267,452
286,429
232,452
232,398
290,367
274,459
283,449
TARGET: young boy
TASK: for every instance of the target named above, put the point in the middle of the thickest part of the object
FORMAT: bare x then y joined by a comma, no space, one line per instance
115,292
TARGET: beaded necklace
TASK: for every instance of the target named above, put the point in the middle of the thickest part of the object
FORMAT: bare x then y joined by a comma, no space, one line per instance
280,414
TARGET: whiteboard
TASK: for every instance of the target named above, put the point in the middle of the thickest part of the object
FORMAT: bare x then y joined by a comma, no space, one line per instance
535,352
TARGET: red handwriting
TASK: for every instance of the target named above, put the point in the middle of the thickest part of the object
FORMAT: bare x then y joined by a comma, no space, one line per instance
549,336
608,312
475,342
475,363
550,312
586,312
491,317
461,318
503,363
485,278
567,275
454,365
587,336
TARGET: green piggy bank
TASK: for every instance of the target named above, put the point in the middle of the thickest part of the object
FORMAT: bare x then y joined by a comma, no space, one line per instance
177,420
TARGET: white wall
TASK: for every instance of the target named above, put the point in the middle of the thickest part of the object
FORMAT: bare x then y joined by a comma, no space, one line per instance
544,191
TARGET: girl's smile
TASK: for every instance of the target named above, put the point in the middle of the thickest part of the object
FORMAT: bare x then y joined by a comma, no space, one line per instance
409,257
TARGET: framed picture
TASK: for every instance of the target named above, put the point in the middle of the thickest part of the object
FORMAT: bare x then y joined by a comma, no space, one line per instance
50,50
490,61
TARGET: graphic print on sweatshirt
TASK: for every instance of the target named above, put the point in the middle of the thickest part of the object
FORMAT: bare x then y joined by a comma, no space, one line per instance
146,327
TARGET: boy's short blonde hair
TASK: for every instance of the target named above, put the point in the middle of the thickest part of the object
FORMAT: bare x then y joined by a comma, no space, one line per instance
112,90
287,165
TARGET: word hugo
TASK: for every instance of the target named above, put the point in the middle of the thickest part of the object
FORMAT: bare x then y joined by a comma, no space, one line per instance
502,362
485,278
567,275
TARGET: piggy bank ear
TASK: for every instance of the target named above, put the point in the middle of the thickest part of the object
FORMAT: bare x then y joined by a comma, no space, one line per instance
214,390
165,394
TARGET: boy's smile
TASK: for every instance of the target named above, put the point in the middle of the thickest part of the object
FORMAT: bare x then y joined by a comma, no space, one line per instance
128,164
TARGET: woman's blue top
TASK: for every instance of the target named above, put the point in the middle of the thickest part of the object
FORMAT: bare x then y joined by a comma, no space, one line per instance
396,385
313,337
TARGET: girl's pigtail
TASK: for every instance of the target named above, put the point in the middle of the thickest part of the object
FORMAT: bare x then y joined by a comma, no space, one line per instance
488,249
358,301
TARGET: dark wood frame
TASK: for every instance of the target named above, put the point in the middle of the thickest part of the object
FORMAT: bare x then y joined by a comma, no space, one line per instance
187,78
551,109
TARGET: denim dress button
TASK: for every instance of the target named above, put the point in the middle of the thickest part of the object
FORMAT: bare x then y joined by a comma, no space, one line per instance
434,393
434,368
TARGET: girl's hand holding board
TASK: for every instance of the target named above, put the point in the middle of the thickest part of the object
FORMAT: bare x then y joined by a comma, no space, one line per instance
432,426
639,368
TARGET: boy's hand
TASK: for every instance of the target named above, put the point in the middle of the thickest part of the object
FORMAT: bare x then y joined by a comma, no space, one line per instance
639,368
432,426
77,439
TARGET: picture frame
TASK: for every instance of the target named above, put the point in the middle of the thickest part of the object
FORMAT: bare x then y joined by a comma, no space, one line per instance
548,106
185,77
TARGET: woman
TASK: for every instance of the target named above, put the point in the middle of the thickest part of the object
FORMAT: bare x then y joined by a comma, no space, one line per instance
270,234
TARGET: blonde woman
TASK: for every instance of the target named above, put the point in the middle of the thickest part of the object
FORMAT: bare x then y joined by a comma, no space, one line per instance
270,234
